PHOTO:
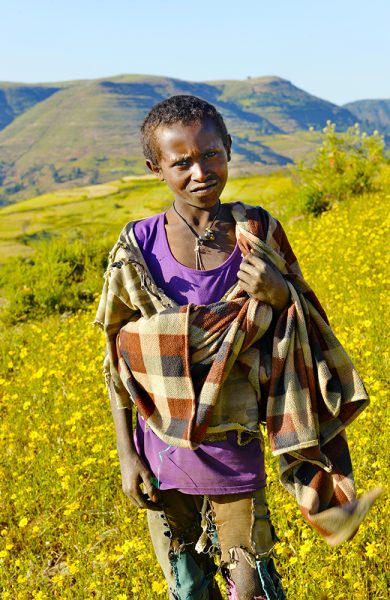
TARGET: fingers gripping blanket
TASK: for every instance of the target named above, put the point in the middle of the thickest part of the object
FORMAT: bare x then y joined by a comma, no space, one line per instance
174,362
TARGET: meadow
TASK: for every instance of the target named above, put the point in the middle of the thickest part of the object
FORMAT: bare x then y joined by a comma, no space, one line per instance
66,529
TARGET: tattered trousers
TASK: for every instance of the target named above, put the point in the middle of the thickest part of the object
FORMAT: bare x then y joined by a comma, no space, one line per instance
191,531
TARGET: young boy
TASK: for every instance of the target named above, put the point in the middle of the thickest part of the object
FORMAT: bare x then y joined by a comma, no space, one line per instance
210,330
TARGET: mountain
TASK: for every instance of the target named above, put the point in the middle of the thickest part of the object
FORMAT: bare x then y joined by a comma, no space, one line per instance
88,131
375,113
15,99
284,105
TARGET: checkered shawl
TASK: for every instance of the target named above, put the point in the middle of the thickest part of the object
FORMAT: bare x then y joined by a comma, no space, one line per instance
173,363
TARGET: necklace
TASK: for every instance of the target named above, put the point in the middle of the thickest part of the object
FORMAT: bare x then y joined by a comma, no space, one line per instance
207,236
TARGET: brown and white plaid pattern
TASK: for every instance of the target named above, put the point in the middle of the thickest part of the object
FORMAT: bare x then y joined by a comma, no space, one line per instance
175,362
172,361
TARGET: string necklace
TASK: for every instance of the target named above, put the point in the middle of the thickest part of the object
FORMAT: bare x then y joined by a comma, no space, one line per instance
207,236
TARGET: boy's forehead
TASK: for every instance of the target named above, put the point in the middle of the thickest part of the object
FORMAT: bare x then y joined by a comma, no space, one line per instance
183,138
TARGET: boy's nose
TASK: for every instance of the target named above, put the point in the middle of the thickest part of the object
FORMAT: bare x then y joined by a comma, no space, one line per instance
199,171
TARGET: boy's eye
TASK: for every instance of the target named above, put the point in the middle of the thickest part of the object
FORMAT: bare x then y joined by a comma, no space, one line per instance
181,163
210,154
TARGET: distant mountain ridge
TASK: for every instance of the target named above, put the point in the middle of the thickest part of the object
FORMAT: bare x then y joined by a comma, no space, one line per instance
15,99
375,113
87,131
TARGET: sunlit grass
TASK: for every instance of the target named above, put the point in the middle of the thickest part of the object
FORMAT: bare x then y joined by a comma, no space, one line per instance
103,209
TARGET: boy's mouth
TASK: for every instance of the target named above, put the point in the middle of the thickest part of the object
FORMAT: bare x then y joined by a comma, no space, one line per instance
204,188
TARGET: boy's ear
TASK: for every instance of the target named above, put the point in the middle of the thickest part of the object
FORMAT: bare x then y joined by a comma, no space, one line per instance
155,169
229,148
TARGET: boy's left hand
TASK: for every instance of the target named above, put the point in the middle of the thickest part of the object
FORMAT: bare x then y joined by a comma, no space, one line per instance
263,281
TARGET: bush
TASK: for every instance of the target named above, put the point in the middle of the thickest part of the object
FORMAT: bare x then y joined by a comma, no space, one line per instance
63,276
345,164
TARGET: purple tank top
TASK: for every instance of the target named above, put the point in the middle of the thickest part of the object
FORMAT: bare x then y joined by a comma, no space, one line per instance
181,283
221,467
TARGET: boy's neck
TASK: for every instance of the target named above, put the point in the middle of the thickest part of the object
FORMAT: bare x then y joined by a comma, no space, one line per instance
199,217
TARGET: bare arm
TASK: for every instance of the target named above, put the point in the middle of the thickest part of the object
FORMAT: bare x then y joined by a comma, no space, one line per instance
133,469
116,309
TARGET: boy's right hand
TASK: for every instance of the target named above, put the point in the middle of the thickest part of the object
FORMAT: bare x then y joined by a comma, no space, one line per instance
134,473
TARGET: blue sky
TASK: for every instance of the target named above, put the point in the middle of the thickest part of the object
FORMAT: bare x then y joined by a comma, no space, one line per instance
337,50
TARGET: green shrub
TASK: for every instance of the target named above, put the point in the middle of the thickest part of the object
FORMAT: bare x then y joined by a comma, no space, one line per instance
63,276
345,164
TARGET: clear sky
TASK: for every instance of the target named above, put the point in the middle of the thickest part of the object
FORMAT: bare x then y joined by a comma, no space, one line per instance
338,50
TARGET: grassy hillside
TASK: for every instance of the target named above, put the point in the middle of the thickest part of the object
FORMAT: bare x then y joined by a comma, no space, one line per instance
87,132
375,114
66,529
16,98
284,105
103,209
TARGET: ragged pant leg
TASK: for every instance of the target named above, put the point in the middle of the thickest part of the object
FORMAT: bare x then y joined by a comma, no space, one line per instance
175,532
246,538
159,533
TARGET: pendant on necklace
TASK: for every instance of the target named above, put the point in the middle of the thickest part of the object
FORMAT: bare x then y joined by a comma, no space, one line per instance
208,234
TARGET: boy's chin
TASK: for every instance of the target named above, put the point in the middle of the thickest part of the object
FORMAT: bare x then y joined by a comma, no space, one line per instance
202,198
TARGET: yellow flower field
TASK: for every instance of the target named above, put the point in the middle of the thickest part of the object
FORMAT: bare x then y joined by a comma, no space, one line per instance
66,529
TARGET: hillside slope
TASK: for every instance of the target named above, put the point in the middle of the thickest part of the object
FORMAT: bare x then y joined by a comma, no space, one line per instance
286,106
87,131
375,113
95,210
16,98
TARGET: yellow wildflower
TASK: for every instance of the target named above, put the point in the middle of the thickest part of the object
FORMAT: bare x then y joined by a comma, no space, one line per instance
23,522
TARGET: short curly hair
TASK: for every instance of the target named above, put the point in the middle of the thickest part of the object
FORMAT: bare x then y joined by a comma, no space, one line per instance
183,109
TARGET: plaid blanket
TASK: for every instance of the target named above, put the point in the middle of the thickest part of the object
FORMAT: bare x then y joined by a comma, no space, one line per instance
174,361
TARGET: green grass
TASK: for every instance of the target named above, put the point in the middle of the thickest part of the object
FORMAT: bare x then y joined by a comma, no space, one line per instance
102,210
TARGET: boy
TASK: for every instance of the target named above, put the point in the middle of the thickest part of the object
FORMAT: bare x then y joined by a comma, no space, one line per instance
210,330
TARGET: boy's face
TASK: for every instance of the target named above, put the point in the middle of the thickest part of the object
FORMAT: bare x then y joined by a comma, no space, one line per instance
192,161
